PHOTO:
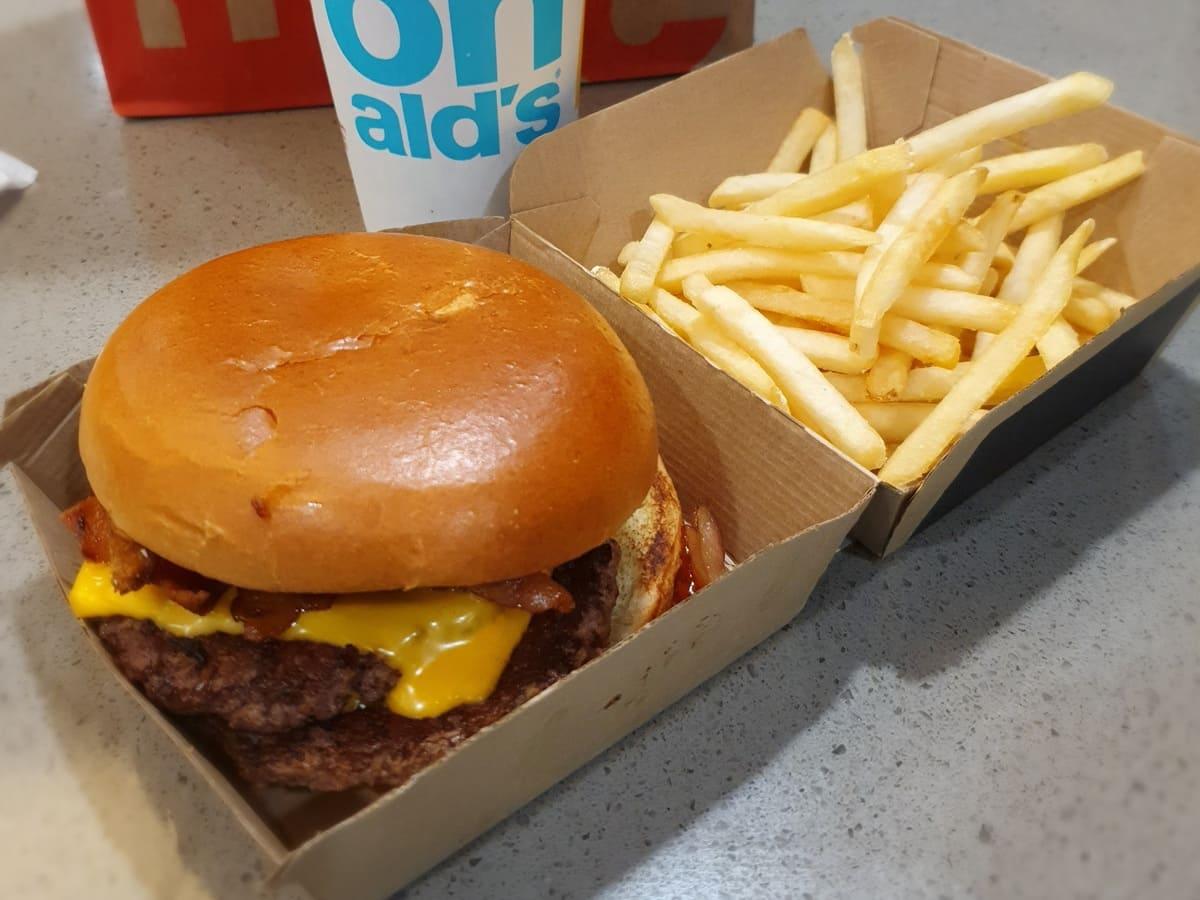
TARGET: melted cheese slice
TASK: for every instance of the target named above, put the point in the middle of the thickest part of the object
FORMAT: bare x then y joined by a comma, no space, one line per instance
449,646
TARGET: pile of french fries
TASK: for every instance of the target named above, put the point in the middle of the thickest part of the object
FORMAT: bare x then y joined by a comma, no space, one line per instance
877,297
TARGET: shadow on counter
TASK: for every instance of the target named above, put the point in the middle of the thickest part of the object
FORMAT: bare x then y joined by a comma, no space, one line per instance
918,613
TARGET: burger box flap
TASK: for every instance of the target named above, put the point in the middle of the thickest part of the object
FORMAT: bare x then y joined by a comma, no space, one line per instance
584,189
782,521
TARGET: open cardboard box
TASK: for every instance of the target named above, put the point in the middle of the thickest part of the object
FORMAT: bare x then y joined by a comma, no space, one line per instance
585,189
782,521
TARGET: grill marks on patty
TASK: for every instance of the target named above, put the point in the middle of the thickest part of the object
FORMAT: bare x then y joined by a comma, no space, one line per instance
371,747
258,686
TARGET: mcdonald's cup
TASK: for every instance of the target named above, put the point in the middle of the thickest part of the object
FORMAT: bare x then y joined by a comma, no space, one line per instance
436,98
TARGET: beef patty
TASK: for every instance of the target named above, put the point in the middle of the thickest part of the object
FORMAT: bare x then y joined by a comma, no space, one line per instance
310,715
372,747
260,686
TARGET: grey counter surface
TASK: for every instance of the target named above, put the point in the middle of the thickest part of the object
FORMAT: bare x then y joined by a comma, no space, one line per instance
1010,708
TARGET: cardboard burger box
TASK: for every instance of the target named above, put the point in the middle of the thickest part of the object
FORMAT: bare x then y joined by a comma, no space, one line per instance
782,520
585,189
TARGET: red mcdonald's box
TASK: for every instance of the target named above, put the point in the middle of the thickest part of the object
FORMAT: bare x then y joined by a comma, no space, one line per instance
192,57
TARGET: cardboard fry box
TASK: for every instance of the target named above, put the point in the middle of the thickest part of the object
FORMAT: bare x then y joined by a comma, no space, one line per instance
585,189
721,446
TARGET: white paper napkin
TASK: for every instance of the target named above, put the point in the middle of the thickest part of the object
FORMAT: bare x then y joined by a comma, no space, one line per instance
14,174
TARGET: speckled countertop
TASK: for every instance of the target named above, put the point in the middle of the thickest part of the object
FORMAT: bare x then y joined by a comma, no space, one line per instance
1009,708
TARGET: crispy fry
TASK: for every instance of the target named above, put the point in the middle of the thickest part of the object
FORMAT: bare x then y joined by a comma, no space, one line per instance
1005,254
1019,171
921,449
991,281
1089,314
1059,342
836,186
1061,195
1033,255
612,281
857,214
848,98
738,190
958,163
936,307
784,232
811,398
1117,301
825,151
690,244
765,264
906,207
1055,100
992,225
799,141
887,377
637,281
928,384
706,338
1094,251
962,239
894,421
826,351
907,253
925,344
626,254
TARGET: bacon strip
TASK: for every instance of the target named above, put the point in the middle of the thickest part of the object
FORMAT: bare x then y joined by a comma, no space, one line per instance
266,615
536,593
132,564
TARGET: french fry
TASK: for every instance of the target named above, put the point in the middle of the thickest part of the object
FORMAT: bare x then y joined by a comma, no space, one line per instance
799,141
637,281
993,226
1059,342
1117,301
906,207
962,239
991,280
626,254
825,151
936,307
1055,100
720,266
907,253
887,377
738,190
1059,196
929,384
784,232
766,264
705,337
1004,256
848,99
919,341
810,397
1020,171
958,163
830,352
1033,255
1094,251
1089,314
857,214
836,186
896,421
925,445
612,281
689,245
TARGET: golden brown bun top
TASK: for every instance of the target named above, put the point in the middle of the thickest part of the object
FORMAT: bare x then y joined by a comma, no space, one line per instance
365,412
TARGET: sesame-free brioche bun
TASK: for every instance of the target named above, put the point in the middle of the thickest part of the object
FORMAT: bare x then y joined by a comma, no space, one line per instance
359,412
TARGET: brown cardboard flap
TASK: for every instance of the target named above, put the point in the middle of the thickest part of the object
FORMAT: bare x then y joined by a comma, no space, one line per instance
681,138
784,500
898,65
487,231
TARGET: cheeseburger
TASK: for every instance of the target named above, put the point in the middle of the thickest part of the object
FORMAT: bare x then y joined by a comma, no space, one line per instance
355,497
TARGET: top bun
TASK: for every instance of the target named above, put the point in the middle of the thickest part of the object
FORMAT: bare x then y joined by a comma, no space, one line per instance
359,412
